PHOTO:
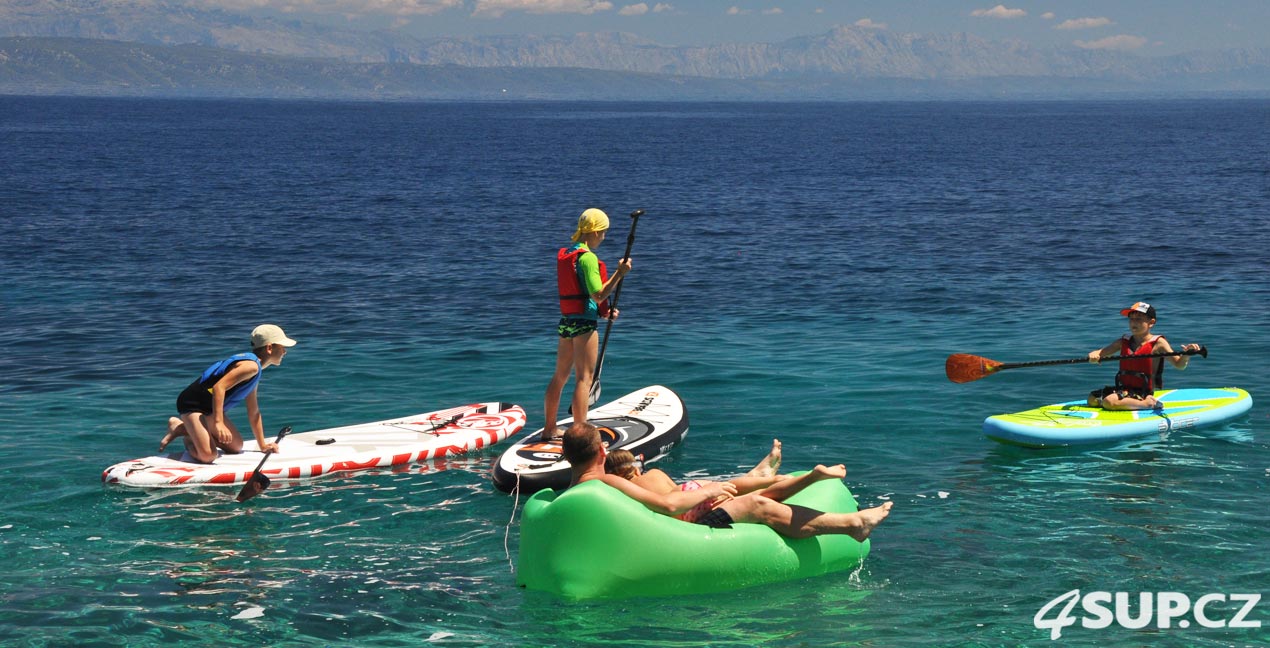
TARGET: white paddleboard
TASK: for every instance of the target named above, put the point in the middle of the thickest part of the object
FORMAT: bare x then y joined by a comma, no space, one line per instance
648,421
355,447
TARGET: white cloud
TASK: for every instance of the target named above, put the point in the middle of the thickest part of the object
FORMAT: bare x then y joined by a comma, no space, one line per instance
350,8
633,10
774,11
1118,42
1049,15
661,6
496,8
737,11
1083,23
869,24
999,11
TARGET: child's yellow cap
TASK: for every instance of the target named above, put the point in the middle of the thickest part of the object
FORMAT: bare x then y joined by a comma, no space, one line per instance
591,220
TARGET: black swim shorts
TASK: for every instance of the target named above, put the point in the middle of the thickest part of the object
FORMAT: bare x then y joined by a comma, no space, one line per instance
194,398
716,519
571,327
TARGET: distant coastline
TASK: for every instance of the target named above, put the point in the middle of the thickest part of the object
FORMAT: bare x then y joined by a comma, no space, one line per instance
96,67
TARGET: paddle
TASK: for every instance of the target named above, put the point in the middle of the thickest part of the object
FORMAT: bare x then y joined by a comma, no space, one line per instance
258,481
594,394
964,368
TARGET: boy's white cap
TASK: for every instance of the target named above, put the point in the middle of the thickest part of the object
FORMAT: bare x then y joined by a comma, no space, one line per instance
267,334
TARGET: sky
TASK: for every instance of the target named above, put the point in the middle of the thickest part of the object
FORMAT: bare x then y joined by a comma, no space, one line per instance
1148,27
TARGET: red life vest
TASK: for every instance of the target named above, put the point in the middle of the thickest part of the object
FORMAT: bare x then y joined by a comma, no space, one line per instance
1140,374
573,294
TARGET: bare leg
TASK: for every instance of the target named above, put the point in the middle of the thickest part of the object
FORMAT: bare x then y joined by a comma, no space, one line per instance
770,464
762,475
585,350
551,402
1116,402
175,429
198,441
749,483
202,440
803,522
786,488
858,525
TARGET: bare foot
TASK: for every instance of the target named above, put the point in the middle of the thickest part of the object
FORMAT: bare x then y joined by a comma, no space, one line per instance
174,427
830,472
768,467
549,434
869,520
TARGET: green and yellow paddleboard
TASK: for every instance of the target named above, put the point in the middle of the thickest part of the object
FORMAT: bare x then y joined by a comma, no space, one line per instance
1075,423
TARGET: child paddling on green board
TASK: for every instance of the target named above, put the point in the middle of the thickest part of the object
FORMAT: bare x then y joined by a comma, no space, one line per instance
584,286
225,384
1138,378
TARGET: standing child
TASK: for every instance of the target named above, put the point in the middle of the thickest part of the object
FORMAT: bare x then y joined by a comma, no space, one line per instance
223,385
1138,378
584,286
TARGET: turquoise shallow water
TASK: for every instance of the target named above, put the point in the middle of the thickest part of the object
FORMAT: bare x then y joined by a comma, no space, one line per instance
802,272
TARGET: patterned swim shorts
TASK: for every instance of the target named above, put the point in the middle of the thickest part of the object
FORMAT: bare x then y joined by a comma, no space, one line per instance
571,327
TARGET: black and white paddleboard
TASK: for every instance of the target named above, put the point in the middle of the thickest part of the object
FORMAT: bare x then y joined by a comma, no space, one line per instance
649,422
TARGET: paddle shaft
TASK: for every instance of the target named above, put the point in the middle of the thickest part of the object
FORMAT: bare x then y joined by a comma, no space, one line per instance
246,494
608,328
1042,363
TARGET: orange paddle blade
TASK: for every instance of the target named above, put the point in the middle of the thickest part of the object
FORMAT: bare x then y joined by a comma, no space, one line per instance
964,368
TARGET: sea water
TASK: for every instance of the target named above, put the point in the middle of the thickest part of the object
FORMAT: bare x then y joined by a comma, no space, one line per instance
801,272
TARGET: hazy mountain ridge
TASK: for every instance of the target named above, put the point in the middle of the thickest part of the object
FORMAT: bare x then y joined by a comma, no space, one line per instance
851,52
115,68
39,66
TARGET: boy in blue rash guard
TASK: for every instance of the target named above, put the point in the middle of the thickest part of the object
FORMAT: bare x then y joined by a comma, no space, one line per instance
584,287
222,386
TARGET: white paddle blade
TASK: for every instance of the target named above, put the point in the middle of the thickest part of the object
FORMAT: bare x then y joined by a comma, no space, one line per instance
594,395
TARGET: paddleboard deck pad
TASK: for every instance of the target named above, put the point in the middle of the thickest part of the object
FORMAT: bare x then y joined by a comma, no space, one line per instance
1075,423
650,421
306,455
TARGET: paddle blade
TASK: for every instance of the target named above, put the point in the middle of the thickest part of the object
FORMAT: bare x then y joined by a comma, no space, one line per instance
594,395
964,368
254,486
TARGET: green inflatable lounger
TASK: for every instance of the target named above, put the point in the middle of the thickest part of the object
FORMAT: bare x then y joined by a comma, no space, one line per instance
591,541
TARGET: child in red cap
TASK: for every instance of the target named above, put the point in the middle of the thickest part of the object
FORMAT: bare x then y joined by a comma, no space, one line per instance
1138,378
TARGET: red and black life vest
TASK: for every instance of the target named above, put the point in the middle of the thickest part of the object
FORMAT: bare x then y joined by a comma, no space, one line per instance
569,284
1143,375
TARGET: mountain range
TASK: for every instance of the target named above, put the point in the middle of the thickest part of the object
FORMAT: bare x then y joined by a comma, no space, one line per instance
124,46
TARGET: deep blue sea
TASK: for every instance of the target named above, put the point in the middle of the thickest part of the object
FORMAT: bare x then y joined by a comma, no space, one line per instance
802,272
